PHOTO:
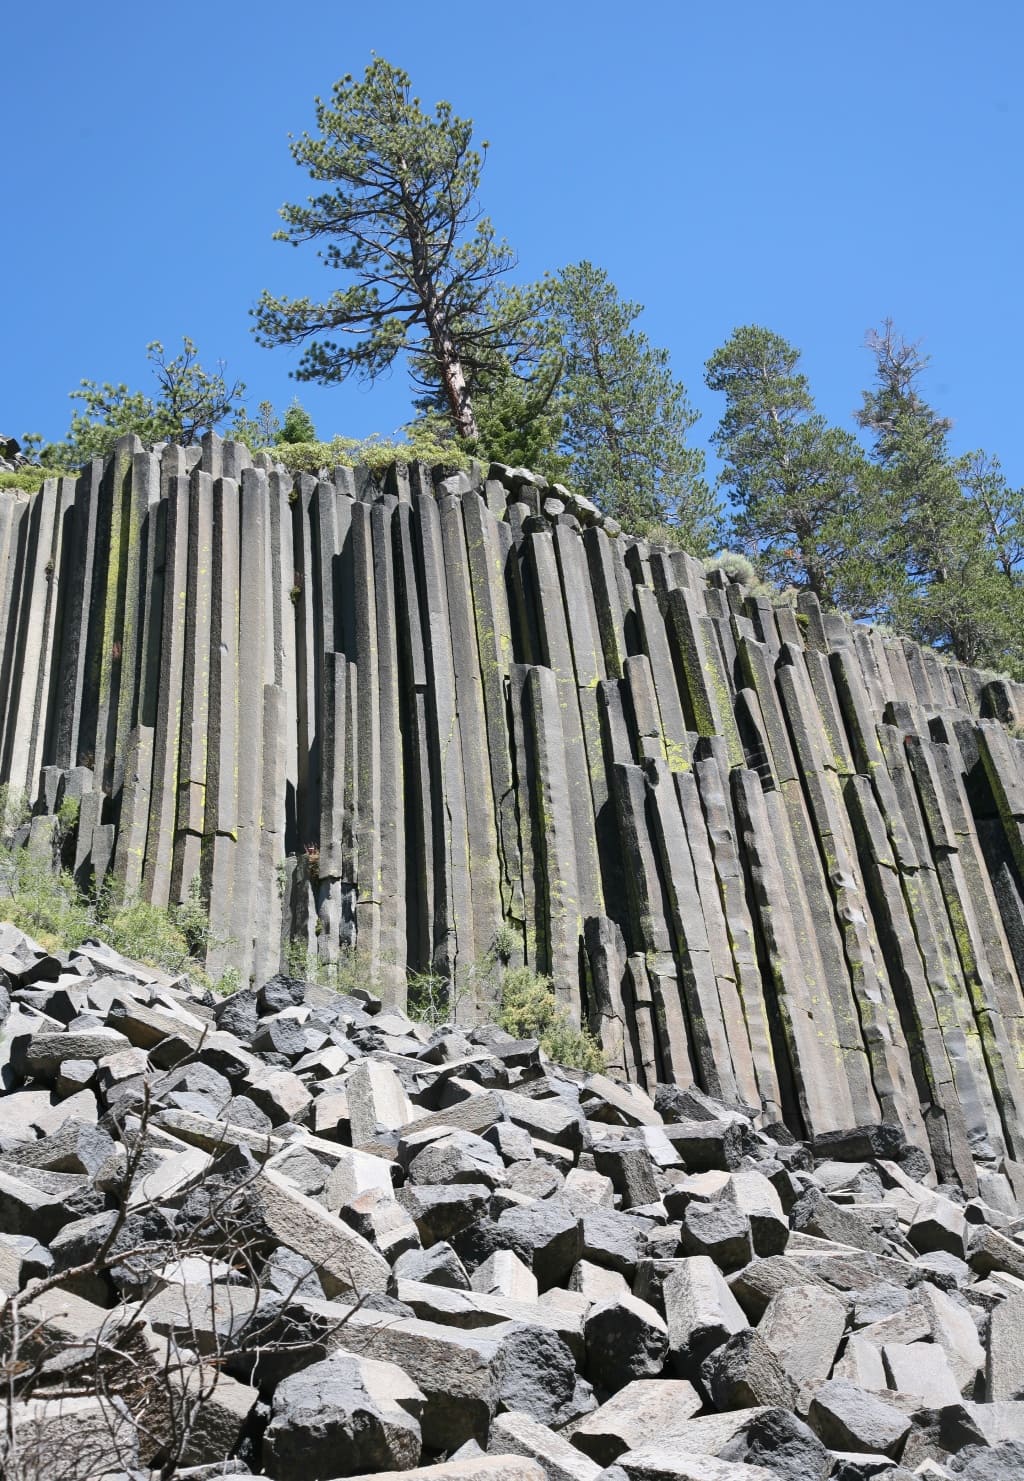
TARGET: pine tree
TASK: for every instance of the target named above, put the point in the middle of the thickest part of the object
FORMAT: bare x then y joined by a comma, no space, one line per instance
625,417
397,214
957,528
189,401
805,506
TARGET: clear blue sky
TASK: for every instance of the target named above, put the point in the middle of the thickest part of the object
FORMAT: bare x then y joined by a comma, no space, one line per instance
812,165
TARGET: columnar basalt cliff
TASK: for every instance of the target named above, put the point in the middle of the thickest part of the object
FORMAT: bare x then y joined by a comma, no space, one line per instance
757,847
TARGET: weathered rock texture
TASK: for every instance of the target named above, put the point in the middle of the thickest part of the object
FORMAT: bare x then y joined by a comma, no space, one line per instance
760,849
178,1223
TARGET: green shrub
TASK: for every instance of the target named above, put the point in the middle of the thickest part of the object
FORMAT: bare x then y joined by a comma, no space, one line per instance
529,1011
375,453
67,815
430,999
352,971
527,1003
45,904
15,811
192,919
228,982
28,480
656,533
507,942
735,565
146,933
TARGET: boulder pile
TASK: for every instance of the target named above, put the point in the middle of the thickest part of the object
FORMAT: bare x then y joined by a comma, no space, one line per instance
293,1233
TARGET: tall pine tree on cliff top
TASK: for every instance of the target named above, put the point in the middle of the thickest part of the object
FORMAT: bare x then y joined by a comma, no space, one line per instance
956,528
397,215
805,507
625,417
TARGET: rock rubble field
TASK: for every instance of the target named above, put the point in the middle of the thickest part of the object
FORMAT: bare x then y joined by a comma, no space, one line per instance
292,1233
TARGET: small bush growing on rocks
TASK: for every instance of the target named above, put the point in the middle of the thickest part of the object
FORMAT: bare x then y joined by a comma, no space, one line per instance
529,1011
146,932
46,904
430,999
507,941
735,565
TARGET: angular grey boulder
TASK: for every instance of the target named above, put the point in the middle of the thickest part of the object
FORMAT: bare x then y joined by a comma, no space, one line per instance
848,1418
804,1325
439,1265
778,1440
700,1310
345,1414
745,1372
643,1408
515,1433
626,1340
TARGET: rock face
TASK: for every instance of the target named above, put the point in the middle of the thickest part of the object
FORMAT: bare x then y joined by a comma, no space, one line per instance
262,1296
773,859
759,847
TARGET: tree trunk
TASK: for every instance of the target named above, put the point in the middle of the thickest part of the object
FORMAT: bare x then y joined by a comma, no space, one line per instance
455,389
453,377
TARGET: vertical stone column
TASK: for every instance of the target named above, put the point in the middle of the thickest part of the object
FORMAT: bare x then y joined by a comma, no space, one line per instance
648,736
49,694
367,754
608,604
870,1095
160,843
555,851
155,483
113,569
253,886
274,869
650,928
557,656
132,602
1003,760
879,1024
709,1040
670,709
976,931
420,874
220,833
494,643
930,1055
753,1087
650,1070
481,826
28,637
707,687
195,690
587,659
727,878
77,578
133,820
454,941
611,1020
304,595
938,949
523,762
393,945
815,1056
